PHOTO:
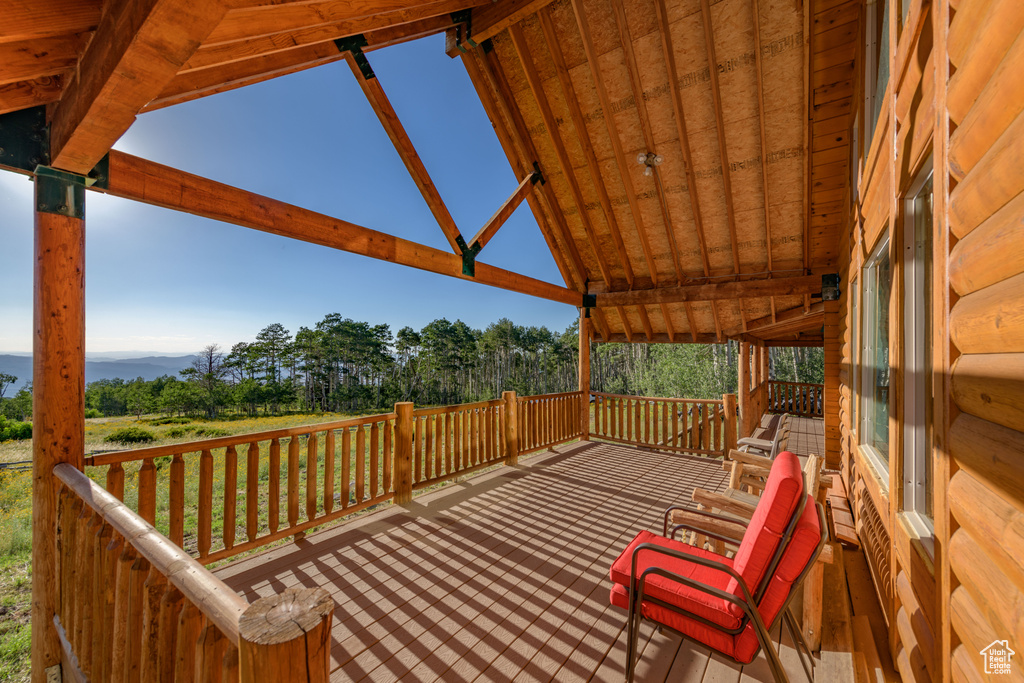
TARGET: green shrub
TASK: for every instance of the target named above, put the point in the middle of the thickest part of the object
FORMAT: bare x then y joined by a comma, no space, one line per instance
211,432
170,421
178,432
92,412
130,435
11,430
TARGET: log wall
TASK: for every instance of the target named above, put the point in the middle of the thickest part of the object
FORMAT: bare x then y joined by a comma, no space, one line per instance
955,96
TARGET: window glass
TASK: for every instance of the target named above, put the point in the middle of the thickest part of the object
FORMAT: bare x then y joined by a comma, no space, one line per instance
877,279
882,65
854,345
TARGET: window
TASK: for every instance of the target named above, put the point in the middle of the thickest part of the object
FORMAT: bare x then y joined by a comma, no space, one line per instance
854,345
918,400
874,357
876,61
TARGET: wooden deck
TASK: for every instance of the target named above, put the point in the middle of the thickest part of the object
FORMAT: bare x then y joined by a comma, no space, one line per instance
501,577
807,435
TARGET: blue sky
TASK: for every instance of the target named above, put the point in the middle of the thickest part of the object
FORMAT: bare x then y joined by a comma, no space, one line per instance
167,282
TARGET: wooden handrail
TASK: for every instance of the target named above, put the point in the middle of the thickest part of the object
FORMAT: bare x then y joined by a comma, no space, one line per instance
543,397
659,398
696,426
233,440
214,598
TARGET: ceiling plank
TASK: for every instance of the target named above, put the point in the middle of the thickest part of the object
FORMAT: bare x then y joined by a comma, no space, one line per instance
492,70
669,328
151,183
137,49
645,126
15,96
491,227
716,94
744,289
564,163
378,99
569,95
379,31
645,321
33,59
31,20
613,134
516,158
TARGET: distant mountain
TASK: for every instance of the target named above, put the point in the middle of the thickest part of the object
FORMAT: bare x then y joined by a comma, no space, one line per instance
148,368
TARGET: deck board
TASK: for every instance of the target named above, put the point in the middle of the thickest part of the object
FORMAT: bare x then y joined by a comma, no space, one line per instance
501,577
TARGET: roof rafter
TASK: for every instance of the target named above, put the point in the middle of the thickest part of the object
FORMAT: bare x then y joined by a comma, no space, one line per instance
565,164
721,291
491,227
378,99
613,134
137,49
29,60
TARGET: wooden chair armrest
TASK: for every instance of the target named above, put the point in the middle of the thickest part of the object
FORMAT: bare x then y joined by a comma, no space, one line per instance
694,521
760,444
750,459
720,501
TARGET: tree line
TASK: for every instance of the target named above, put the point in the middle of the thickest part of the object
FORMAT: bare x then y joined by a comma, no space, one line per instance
343,365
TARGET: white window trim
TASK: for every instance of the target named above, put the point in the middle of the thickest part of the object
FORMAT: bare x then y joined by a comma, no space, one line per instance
868,305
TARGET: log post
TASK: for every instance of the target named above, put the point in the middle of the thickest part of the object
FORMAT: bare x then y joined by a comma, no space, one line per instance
58,387
729,405
287,637
511,427
584,374
743,387
403,453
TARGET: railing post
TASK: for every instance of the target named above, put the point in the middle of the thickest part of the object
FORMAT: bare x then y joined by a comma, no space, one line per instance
584,374
403,453
729,403
743,387
287,637
511,427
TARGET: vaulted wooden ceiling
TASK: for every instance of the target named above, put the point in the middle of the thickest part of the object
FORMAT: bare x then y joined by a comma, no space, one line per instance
745,103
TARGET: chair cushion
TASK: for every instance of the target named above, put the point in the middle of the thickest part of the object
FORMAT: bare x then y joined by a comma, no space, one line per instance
691,628
712,608
782,493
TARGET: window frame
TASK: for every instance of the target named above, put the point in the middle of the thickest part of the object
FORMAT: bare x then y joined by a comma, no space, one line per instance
869,306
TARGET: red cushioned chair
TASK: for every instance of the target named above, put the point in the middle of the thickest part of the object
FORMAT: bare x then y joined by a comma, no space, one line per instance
720,602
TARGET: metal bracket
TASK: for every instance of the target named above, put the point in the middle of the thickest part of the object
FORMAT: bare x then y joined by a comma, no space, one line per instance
590,301
24,139
463,17
61,192
537,177
355,45
488,46
469,254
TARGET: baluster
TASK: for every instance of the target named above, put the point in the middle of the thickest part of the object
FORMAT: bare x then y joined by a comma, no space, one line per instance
346,467
375,460
428,450
205,530
115,481
675,423
177,502
153,593
293,480
119,641
438,445
67,516
274,488
598,408
136,597
190,625
147,491
705,442
467,427
329,471
252,491
98,576
230,495
719,431
361,463
103,656
637,419
478,443
446,441
210,650
170,608
389,456
417,450
87,524
695,426
312,479
665,407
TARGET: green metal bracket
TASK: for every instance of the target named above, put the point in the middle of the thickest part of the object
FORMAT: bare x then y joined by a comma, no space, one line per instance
464,17
468,255
488,46
99,176
355,45
24,139
590,301
60,192
537,177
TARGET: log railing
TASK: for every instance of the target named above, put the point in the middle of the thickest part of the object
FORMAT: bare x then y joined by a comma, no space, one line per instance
290,480
701,427
548,420
456,440
796,398
133,606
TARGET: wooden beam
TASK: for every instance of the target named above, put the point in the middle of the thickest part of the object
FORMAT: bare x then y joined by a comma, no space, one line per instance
691,320
249,23
490,20
158,185
625,323
662,338
490,228
380,31
378,99
602,324
503,95
25,20
137,49
746,289
645,126
716,94
613,134
645,321
29,60
669,328
204,82
553,43
564,163
15,96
